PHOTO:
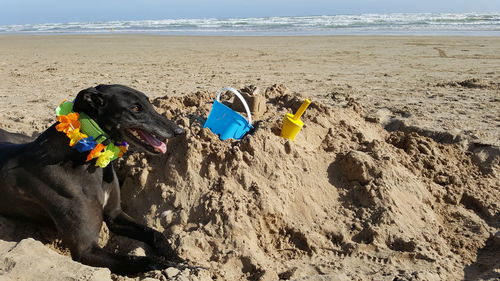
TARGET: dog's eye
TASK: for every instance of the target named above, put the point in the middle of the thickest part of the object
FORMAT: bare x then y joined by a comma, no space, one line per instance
136,108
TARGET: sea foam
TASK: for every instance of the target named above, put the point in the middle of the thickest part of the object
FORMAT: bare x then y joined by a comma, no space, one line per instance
398,23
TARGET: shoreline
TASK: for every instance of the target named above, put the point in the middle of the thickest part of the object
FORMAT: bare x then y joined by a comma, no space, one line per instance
440,24
262,34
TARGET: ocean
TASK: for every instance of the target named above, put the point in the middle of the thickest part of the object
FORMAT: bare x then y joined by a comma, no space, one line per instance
469,24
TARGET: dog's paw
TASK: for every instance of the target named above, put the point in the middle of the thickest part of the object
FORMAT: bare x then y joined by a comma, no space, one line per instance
163,249
160,263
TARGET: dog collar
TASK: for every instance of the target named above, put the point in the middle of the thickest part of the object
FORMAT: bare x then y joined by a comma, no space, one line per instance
86,135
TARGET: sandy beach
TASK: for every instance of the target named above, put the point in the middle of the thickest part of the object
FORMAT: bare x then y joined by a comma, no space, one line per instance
423,79
400,121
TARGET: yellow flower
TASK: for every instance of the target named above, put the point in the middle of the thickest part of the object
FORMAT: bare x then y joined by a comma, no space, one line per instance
75,136
104,158
68,122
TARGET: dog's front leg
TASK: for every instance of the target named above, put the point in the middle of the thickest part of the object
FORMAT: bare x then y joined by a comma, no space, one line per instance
79,223
122,224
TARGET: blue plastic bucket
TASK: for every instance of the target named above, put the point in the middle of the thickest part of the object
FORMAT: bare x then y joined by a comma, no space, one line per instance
225,122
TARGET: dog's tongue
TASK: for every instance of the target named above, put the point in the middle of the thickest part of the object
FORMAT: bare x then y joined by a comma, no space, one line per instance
154,142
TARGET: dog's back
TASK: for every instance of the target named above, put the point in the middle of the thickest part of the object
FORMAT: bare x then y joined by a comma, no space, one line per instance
6,136
11,144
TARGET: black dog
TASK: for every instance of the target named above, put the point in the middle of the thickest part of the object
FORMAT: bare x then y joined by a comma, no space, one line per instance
47,180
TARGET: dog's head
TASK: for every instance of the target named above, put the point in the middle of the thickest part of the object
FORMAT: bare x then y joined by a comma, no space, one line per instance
127,115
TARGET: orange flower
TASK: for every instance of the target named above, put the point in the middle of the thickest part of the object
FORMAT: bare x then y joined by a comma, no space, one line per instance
68,122
123,149
95,152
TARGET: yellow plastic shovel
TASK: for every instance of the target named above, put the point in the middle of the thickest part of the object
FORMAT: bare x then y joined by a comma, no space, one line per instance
292,123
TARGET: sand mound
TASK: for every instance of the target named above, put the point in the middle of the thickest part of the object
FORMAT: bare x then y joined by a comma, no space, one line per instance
346,201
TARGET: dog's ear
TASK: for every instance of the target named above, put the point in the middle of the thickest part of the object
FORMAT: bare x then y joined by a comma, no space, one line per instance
88,101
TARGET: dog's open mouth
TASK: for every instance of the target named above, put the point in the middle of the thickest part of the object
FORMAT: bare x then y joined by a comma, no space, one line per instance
147,140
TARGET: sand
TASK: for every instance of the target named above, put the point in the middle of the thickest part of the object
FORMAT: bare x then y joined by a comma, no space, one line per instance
394,177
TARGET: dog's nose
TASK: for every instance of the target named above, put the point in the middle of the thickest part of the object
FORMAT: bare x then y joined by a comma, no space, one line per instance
179,131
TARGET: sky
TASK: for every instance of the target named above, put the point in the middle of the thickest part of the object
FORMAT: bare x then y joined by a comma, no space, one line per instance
61,11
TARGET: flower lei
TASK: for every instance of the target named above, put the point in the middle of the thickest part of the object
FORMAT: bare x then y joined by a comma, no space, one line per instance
69,123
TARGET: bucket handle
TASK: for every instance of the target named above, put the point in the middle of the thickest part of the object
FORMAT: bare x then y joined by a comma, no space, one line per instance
242,99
